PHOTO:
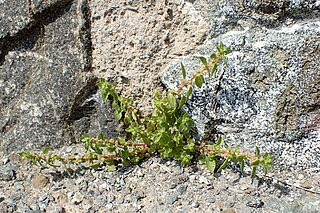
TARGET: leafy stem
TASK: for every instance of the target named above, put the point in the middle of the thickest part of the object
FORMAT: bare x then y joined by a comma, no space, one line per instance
167,131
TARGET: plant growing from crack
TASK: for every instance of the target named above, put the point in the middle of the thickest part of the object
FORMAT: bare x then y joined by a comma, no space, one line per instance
167,131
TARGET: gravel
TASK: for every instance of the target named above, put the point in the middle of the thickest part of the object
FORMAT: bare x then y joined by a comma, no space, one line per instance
155,185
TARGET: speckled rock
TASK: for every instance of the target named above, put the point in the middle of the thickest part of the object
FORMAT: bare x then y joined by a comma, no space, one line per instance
47,97
268,95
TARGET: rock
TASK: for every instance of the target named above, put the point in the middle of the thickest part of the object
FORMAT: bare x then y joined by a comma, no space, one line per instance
204,180
306,185
170,199
229,211
60,198
40,181
77,198
144,37
47,97
195,204
7,173
18,186
181,189
267,96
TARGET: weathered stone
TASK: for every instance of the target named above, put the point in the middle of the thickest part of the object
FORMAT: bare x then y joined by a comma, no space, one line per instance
47,95
134,40
14,16
268,95
40,181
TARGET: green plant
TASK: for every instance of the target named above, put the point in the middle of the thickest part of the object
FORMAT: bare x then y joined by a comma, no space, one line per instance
167,131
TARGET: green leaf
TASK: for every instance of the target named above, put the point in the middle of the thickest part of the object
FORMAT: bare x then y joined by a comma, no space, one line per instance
172,101
211,165
97,150
85,138
189,92
25,155
150,126
183,100
184,74
118,116
45,150
95,166
127,118
134,116
257,151
199,81
213,56
253,171
242,166
214,69
111,167
203,60
224,165
115,105
101,136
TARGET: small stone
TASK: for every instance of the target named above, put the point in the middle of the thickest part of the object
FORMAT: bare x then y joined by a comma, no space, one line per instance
170,199
18,186
110,198
306,185
60,198
195,204
70,194
43,198
204,180
229,211
300,177
103,187
109,206
120,200
209,198
5,160
7,174
255,203
77,198
40,181
181,189
192,178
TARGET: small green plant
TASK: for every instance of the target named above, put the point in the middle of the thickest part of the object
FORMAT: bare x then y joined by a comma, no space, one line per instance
167,131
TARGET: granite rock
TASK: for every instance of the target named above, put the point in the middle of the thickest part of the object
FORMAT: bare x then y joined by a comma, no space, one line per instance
48,96
268,93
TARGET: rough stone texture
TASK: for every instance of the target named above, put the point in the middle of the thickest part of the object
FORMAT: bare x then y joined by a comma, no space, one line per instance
14,16
46,95
134,40
269,95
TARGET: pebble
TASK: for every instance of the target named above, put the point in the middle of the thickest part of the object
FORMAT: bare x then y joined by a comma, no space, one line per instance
133,192
77,198
7,173
40,181
195,204
204,180
170,199
181,189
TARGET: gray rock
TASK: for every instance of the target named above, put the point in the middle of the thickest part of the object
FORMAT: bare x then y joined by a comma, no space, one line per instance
170,199
7,173
18,186
181,189
45,96
267,96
